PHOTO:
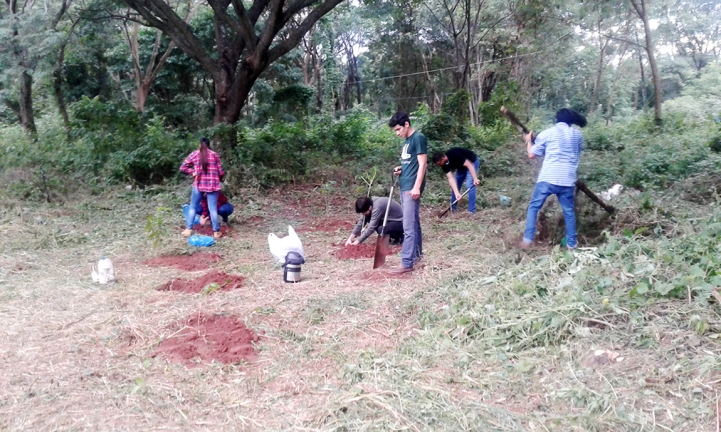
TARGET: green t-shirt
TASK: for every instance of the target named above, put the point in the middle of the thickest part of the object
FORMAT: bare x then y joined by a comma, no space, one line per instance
415,145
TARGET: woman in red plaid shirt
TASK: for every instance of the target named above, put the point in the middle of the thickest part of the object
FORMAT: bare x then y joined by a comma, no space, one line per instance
205,167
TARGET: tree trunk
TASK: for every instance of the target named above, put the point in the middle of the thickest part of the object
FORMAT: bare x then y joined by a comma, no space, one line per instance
60,97
58,72
435,100
640,7
644,98
609,107
609,101
141,95
318,83
26,104
244,45
599,73
144,80
654,72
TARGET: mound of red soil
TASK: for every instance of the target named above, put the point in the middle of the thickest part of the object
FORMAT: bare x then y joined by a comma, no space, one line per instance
327,225
208,230
197,261
363,250
220,338
224,281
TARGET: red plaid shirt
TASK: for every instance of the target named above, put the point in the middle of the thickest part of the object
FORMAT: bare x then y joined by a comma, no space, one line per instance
204,203
204,181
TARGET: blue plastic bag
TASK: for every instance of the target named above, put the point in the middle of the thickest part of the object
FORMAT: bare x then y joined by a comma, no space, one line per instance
186,209
201,240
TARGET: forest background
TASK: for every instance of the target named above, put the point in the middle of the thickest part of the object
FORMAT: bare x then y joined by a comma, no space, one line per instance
98,93
100,101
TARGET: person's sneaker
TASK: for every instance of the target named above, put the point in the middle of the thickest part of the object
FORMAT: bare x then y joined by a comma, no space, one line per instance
187,233
400,270
225,219
217,235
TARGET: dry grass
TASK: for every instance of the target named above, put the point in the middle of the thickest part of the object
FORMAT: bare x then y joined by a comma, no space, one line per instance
452,347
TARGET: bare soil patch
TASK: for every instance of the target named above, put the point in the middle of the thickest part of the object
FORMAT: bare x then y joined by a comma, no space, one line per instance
382,274
206,338
197,261
225,282
253,221
208,230
360,251
327,225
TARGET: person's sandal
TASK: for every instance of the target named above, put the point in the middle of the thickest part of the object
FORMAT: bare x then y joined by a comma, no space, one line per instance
217,235
187,233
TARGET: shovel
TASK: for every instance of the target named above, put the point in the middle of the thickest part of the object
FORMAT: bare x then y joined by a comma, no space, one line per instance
382,242
455,202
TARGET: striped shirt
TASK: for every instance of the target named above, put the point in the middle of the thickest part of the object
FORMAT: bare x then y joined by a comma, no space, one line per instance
560,146
205,181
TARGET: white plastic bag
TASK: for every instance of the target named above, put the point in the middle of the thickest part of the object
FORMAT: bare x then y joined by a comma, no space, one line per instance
279,247
611,193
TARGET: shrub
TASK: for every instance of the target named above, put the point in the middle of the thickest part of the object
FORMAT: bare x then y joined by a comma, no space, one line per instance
644,155
283,151
120,144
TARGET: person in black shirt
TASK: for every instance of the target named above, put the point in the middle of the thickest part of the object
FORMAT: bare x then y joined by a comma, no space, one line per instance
465,163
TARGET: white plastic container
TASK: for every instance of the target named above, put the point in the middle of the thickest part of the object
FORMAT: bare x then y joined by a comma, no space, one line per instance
105,273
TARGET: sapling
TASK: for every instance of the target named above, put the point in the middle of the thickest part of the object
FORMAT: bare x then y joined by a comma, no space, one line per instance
155,227
368,178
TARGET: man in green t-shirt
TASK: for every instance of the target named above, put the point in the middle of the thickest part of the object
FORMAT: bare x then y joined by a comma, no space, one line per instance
412,181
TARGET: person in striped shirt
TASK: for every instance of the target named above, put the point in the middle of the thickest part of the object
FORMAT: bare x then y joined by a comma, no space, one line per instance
560,147
207,171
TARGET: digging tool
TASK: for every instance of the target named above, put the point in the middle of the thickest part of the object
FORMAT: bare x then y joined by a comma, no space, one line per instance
579,184
455,202
582,186
512,117
383,239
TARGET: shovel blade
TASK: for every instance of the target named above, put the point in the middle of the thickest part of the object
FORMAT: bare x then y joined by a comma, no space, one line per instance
381,250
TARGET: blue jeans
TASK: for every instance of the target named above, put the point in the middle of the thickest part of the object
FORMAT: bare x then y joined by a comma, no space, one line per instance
464,176
565,195
412,236
223,211
195,197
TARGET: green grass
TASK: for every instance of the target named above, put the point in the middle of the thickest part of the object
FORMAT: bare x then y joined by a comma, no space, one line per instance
483,337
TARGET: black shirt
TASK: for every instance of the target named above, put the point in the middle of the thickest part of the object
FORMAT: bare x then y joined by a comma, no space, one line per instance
457,156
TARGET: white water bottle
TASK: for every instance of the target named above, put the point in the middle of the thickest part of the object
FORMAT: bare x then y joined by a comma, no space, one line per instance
106,273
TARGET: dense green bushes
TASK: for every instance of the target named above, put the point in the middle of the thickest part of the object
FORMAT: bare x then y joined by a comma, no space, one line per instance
642,155
282,152
111,143
120,144
108,143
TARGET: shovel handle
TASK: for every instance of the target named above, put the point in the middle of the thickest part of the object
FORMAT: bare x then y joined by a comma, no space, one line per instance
512,117
456,201
388,207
